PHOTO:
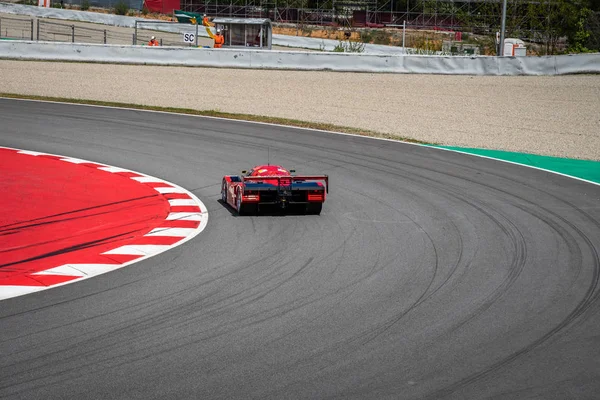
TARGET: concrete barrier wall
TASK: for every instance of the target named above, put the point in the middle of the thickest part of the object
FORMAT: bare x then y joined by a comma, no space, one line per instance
298,60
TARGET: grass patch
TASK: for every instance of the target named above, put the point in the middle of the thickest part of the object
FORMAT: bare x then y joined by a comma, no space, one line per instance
221,114
121,8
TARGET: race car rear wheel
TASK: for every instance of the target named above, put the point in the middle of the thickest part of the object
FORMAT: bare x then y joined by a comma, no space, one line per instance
314,208
224,191
244,209
238,202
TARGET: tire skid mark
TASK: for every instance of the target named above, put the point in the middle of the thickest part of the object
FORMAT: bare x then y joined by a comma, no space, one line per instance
70,249
417,176
591,296
17,225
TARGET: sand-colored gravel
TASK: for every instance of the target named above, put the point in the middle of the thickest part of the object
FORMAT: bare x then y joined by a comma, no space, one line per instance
557,116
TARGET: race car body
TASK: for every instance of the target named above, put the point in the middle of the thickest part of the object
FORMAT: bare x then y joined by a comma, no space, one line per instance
273,185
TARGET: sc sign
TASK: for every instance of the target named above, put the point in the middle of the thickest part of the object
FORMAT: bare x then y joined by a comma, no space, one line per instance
189,37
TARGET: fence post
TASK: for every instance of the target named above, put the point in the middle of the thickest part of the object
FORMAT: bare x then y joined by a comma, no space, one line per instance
196,33
105,36
135,34
403,36
0,27
32,29
38,30
72,33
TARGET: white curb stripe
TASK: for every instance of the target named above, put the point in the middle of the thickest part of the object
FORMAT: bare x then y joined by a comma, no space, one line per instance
114,170
147,179
182,202
87,270
31,153
175,232
65,269
139,249
164,190
185,216
75,160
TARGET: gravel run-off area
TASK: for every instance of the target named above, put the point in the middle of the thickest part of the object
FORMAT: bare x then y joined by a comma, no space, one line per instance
554,115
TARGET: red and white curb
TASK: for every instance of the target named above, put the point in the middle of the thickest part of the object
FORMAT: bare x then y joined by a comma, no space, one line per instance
188,217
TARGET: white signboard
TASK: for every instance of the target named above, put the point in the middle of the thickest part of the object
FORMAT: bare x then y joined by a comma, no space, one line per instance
189,37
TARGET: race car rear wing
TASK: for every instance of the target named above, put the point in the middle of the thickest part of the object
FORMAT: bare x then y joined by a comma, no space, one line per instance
292,178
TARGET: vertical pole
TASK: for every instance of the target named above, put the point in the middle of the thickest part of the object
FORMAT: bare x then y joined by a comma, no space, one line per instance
502,28
105,36
38,29
0,27
32,29
403,36
72,33
196,33
135,34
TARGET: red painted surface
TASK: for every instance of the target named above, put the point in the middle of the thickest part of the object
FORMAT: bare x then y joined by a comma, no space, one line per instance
163,6
54,212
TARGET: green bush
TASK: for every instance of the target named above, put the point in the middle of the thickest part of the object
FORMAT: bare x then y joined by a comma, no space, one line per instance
339,48
381,37
145,10
375,36
366,36
349,47
85,5
121,8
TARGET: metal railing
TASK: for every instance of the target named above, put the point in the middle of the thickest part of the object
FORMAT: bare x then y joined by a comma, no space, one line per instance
16,28
58,32
51,31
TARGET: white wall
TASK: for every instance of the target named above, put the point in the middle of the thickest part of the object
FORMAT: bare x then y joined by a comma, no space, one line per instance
298,60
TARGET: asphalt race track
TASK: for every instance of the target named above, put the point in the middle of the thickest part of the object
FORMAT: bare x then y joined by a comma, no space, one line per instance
428,275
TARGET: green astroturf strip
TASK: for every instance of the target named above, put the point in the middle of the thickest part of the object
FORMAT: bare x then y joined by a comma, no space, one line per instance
584,169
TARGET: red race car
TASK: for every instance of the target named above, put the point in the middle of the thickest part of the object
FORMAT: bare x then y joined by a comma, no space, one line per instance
274,185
